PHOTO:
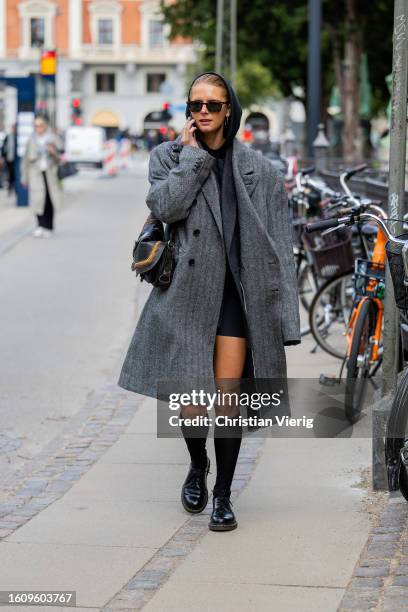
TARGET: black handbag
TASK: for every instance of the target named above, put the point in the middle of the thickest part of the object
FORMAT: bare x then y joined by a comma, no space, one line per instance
66,169
153,254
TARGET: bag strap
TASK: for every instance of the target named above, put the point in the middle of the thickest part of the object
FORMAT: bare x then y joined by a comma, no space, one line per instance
171,232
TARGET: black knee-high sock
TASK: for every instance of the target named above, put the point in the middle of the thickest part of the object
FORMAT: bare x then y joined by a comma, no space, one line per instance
196,445
226,454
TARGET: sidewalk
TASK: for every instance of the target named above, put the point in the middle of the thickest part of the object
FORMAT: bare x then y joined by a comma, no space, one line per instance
15,221
102,516
98,512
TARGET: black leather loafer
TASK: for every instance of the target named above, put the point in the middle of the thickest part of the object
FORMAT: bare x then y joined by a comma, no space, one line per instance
222,517
194,493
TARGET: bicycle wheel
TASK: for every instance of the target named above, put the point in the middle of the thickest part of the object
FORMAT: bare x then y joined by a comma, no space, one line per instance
307,285
329,313
396,441
358,363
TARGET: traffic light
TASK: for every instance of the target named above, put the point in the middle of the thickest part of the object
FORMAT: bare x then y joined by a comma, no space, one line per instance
76,111
48,63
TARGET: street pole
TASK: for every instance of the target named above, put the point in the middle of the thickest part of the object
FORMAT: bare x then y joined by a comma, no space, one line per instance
219,35
396,184
313,73
233,45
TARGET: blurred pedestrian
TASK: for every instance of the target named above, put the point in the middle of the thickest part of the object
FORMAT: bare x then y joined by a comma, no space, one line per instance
39,173
8,154
150,139
160,136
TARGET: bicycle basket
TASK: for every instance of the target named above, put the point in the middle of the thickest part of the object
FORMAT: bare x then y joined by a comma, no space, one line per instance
369,278
396,263
331,254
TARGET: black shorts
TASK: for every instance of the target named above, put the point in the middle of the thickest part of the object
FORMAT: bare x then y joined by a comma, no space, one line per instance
231,321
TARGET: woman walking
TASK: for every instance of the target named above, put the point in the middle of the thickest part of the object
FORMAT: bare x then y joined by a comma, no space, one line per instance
39,173
232,304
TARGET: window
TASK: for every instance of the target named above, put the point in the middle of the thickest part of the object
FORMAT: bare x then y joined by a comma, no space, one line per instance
37,19
156,36
37,32
105,31
106,23
154,82
105,82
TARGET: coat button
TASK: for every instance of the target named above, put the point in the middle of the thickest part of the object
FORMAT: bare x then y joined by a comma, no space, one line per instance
191,262
196,232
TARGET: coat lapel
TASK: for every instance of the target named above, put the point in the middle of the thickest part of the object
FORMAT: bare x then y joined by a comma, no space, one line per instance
246,176
251,210
243,167
212,195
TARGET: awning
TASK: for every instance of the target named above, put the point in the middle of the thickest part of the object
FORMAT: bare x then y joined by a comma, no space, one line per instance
105,118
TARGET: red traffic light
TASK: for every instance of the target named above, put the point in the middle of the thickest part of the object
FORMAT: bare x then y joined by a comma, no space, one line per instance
48,63
76,102
166,105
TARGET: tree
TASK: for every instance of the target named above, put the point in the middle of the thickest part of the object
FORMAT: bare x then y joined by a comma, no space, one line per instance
355,27
274,35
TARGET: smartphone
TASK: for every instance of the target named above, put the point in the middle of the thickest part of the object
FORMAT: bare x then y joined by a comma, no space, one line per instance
193,125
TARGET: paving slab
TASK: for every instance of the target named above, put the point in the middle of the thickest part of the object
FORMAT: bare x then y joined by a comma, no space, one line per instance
203,597
297,528
94,572
144,449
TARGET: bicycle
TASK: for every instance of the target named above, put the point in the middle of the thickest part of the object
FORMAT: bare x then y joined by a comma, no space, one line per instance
309,199
332,304
315,264
364,328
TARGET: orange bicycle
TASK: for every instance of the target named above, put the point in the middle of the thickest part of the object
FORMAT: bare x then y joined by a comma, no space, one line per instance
364,328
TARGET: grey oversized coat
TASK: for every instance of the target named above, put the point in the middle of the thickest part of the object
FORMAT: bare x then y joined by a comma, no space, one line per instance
175,334
31,175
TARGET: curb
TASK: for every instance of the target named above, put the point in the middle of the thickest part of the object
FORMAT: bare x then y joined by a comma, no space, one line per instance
9,239
380,578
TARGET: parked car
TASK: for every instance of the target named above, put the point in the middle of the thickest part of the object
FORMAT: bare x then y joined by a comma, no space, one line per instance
84,145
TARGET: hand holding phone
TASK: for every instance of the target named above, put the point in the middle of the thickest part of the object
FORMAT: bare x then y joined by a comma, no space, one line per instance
188,133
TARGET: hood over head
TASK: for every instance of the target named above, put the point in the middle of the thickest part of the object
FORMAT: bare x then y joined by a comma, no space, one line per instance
235,109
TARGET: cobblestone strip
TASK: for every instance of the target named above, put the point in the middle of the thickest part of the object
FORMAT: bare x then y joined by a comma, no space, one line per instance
145,583
95,429
380,580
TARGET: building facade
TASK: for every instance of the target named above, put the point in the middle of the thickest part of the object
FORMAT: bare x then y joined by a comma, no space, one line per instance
115,61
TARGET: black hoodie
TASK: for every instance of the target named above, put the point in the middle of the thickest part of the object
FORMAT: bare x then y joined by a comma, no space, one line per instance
235,110
228,202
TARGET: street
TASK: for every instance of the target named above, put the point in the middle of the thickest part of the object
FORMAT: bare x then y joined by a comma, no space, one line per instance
91,497
53,293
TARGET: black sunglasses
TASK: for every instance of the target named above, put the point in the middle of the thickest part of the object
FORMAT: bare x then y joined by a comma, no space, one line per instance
213,106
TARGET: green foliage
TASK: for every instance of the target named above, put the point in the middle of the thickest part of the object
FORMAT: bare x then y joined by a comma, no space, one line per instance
254,83
273,35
